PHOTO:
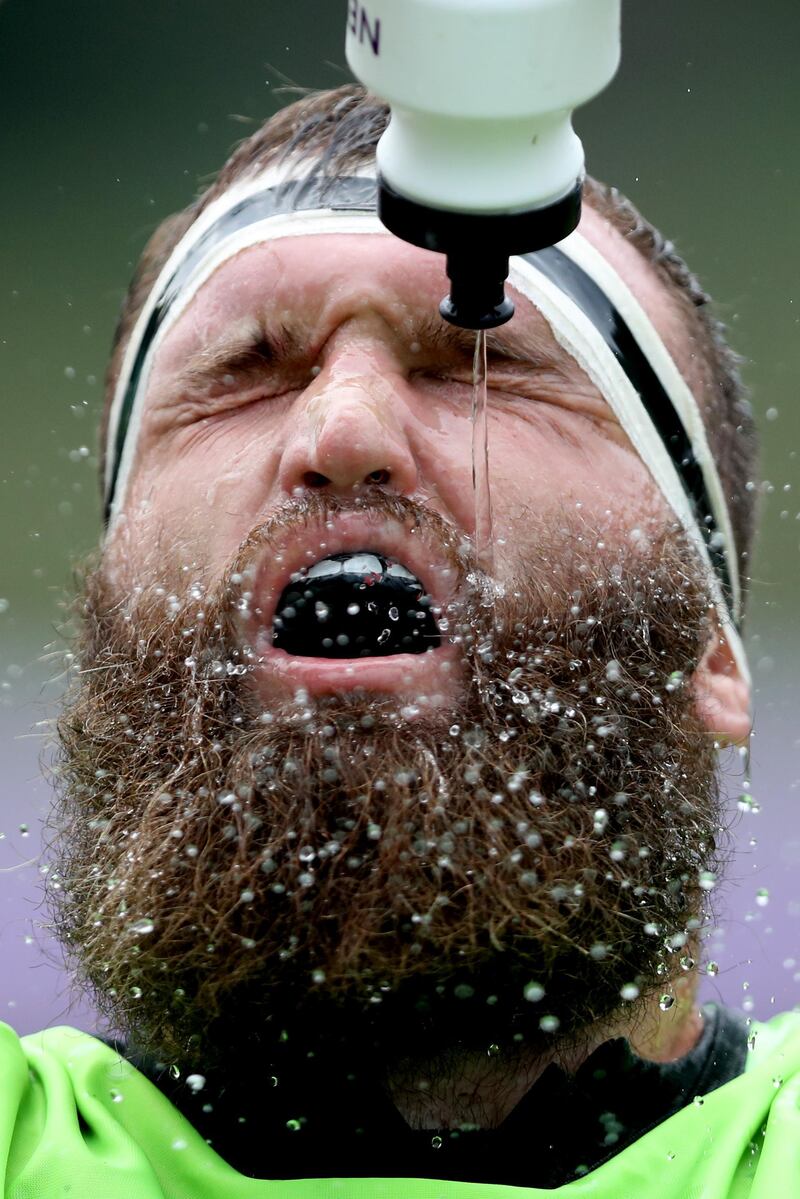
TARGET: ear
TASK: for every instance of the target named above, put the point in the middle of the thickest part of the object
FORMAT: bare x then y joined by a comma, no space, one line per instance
721,694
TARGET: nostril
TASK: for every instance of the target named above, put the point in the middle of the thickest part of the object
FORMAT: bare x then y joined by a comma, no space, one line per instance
313,479
377,476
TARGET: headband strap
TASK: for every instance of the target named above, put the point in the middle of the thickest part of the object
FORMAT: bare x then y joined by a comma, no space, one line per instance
576,283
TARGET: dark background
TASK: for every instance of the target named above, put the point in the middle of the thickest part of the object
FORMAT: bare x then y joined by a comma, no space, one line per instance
113,114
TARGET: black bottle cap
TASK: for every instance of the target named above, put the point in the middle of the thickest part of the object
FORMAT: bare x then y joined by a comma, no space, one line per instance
478,247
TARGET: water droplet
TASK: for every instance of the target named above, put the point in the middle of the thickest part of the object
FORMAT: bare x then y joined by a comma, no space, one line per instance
394,614
549,1023
136,992
179,1144
600,820
746,803
712,968
698,1101
666,1002
674,681
195,1082
436,1142
533,992
116,1097
293,1125
762,897
142,927
629,992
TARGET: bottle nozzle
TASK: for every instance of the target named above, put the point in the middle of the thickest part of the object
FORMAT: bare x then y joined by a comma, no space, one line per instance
477,298
478,247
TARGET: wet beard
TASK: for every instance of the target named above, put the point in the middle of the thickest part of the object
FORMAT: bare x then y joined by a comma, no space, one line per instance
514,871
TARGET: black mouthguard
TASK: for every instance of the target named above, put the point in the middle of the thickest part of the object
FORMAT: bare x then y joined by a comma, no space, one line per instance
355,605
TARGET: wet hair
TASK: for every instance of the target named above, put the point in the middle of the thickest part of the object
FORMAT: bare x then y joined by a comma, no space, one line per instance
337,131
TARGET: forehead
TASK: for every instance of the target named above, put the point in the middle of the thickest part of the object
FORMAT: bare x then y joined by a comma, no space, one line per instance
320,280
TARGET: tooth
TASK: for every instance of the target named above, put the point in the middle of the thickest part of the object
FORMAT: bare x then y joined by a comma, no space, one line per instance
396,570
364,564
325,569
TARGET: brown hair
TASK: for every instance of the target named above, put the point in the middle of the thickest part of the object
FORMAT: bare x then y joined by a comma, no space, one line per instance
338,130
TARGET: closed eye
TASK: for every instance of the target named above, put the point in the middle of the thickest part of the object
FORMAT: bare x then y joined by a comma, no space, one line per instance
238,361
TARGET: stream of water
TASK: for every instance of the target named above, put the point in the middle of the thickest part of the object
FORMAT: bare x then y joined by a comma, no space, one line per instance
482,496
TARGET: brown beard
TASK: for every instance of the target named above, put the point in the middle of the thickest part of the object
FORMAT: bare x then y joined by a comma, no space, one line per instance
221,883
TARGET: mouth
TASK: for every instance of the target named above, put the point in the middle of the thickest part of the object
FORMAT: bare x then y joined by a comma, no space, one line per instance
355,605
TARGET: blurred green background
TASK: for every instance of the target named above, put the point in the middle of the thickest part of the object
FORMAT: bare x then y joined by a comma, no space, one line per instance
113,114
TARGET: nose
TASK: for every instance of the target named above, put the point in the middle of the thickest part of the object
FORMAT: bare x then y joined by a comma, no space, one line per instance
351,432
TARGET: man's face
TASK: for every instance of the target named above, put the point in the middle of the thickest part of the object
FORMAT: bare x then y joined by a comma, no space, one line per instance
364,386
531,801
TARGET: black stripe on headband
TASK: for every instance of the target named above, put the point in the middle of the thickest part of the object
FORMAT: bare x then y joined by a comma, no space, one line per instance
594,303
360,194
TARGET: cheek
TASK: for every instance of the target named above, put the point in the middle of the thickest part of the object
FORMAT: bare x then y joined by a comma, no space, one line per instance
538,480
193,500
544,463
530,471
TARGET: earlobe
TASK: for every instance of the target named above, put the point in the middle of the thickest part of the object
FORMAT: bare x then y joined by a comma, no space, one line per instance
722,695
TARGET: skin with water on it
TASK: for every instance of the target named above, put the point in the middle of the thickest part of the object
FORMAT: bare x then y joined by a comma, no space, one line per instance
366,394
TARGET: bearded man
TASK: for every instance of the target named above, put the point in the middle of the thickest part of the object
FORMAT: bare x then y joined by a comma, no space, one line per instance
388,820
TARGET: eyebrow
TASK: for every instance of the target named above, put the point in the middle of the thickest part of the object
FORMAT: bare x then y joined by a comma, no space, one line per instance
249,349
528,347
246,349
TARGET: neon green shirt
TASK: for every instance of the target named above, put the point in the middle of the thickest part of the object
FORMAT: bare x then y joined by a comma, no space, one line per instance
79,1122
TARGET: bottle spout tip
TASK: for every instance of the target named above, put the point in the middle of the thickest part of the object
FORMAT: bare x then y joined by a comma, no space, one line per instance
477,298
469,313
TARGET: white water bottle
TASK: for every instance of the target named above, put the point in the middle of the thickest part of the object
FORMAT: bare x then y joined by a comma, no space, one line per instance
480,159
